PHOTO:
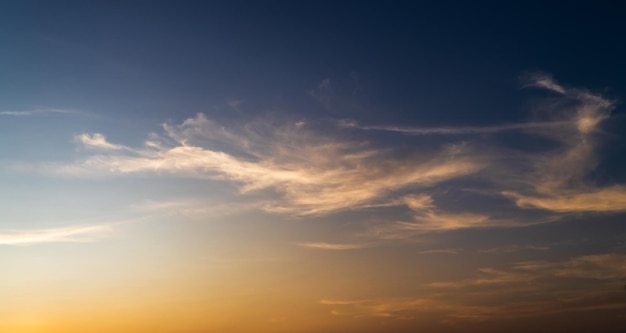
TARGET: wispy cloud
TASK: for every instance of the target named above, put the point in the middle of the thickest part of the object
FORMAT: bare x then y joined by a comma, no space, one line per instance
310,173
558,182
36,112
486,277
194,207
523,290
66,234
97,141
517,248
542,80
441,251
600,267
428,218
413,308
611,199
296,168
456,130
609,266
334,246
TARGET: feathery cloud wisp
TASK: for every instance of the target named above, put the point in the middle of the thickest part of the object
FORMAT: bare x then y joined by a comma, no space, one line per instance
67,234
606,266
311,174
98,141
476,130
336,246
558,180
36,112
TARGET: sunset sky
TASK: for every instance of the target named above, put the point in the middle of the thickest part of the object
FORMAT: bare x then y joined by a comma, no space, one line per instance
312,166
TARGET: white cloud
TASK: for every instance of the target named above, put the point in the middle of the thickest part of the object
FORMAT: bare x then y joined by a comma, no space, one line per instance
311,174
66,234
36,112
98,141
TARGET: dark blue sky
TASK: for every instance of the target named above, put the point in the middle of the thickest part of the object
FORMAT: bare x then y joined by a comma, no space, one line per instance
429,62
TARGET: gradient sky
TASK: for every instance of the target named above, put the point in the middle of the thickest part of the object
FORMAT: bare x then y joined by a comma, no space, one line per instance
347,166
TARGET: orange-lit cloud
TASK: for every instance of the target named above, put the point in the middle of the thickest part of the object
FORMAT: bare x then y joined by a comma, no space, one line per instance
526,289
608,266
336,246
558,180
611,199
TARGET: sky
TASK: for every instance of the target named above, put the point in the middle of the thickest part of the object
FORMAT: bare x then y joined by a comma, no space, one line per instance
312,166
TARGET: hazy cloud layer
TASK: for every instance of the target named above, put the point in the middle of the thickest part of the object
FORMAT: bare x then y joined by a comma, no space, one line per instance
536,288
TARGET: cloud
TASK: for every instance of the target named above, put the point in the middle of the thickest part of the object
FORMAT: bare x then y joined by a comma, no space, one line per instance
542,80
428,218
66,234
441,251
97,141
487,277
36,112
523,290
517,248
414,308
311,174
194,207
611,199
608,266
558,181
477,130
300,168
333,247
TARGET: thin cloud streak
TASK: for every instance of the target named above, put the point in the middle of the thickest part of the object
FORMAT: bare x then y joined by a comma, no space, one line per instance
334,246
36,112
457,130
79,234
441,251
412,308
542,80
529,289
611,199
602,267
